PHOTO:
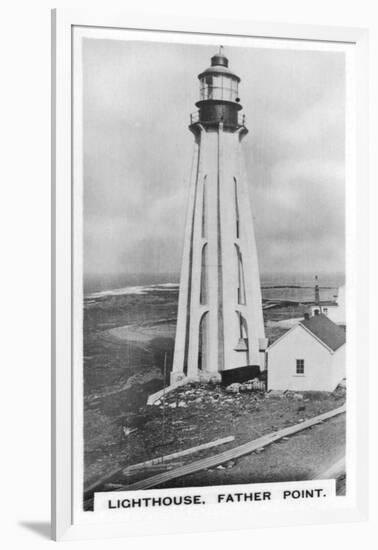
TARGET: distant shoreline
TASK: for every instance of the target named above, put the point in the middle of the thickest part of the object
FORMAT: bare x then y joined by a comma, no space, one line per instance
173,287
94,284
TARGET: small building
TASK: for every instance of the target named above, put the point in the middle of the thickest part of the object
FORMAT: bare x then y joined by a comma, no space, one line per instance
309,357
334,310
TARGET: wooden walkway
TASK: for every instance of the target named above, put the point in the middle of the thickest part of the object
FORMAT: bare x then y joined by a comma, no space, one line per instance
161,460
231,454
185,452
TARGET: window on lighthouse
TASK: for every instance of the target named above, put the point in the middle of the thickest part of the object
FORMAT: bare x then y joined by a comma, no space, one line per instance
243,327
203,341
223,87
204,278
240,274
208,87
242,345
237,219
203,229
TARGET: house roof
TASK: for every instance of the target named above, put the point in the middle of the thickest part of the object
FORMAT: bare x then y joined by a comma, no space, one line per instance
325,330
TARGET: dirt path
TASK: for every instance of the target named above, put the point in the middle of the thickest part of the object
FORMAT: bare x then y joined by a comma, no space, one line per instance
144,332
301,457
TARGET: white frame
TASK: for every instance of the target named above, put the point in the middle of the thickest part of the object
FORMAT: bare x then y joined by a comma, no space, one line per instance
62,326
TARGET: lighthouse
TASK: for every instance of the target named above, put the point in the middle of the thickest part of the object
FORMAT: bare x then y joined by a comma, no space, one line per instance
220,322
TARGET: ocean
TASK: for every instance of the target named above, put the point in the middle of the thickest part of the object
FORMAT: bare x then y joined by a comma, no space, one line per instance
277,286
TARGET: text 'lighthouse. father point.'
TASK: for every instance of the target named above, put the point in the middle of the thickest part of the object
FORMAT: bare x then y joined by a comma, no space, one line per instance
220,321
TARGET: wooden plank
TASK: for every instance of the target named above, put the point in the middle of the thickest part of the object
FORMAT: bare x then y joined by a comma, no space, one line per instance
178,454
125,471
154,467
231,454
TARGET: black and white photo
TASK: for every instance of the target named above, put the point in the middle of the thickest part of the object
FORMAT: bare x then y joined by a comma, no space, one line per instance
214,263
215,344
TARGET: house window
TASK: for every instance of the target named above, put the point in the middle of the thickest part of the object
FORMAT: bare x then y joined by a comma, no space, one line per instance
300,366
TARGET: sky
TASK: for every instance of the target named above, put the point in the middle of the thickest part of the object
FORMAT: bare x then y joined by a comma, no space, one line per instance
137,98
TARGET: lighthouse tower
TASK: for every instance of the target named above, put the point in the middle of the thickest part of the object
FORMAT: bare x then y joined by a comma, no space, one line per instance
220,322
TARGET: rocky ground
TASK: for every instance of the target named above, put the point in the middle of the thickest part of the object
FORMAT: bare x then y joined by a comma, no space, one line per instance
197,413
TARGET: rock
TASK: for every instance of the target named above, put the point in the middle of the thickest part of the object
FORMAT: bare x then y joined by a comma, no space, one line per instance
230,464
233,388
211,399
182,404
260,450
128,431
220,467
172,405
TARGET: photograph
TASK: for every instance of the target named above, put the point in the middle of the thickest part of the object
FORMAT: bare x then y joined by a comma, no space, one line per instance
214,283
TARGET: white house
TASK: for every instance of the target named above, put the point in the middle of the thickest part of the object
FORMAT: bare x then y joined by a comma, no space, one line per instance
335,312
309,357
